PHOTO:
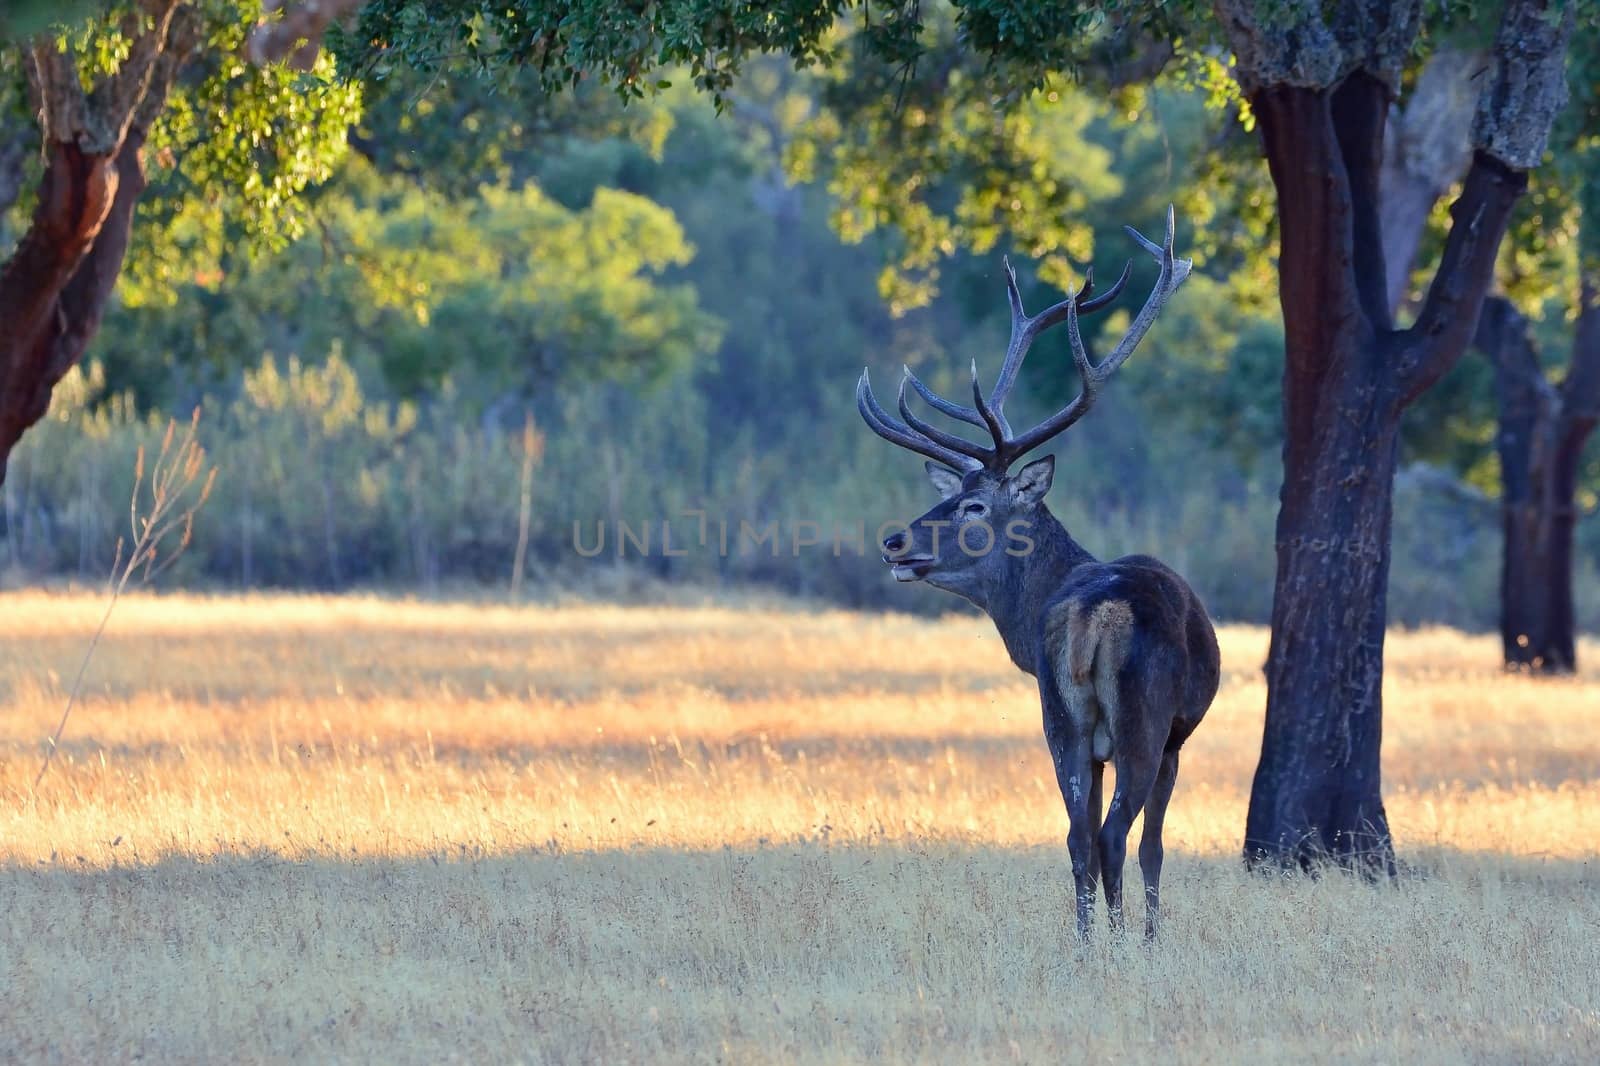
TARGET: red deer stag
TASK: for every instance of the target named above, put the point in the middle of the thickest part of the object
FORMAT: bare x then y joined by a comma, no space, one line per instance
1124,653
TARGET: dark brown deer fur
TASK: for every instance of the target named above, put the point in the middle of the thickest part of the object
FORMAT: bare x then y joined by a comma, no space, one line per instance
1125,656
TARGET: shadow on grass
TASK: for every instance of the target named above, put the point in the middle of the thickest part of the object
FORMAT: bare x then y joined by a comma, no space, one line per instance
807,950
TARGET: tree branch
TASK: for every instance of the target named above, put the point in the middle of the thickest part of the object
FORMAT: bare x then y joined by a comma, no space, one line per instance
296,35
114,101
53,77
1449,315
1515,112
1428,148
1529,85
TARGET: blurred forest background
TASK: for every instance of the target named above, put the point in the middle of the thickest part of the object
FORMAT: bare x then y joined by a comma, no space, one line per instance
411,293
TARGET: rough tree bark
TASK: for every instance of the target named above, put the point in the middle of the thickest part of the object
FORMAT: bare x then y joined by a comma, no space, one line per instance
1540,438
54,288
1321,79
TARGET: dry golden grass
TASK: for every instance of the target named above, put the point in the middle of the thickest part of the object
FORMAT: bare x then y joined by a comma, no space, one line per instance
354,828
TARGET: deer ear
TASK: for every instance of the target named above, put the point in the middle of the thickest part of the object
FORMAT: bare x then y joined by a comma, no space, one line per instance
947,481
1033,480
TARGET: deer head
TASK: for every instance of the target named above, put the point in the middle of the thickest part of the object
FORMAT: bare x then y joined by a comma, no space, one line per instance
981,524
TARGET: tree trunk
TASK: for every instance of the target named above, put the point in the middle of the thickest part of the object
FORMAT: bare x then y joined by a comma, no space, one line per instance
78,196
1580,412
1559,625
1321,79
1523,438
54,288
1540,439
1348,376
1316,788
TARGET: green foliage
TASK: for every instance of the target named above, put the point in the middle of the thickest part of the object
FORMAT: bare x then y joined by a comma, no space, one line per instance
965,176
233,157
637,50
455,133
248,141
526,287
1214,370
630,49
502,290
945,127
1575,141
944,123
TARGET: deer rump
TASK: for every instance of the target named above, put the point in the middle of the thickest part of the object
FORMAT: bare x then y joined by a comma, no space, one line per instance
1117,640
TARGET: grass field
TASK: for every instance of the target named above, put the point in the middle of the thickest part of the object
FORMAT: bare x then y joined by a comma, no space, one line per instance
289,828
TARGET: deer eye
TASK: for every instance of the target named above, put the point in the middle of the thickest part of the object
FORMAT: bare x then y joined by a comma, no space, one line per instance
973,507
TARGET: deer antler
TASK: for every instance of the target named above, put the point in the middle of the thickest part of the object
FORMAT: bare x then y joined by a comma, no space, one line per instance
962,454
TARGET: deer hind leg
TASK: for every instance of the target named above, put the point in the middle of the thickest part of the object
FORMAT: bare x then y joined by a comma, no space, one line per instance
1135,778
1072,772
1075,774
1097,778
1150,850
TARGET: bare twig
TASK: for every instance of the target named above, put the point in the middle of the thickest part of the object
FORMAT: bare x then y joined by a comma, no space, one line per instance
164,505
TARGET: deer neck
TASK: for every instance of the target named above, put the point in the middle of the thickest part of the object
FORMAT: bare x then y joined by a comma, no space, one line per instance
1017,598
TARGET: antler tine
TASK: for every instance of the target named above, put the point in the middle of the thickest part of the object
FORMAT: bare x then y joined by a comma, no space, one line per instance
1058,312
1026,442
1087,306
1016,347
881,423
961,454
1026,330
1174,272
934,433
968,415
1013,296
992,420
